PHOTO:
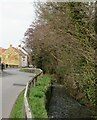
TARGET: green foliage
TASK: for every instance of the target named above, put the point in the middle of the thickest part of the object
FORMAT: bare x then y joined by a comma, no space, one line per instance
60,72
64,44
89,83
26,69
37,98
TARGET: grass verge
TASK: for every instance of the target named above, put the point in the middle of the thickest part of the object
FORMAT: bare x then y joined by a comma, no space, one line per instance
30,70
25,70
37,97
18,108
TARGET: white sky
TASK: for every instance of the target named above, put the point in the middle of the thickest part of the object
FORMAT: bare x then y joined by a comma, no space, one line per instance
15,18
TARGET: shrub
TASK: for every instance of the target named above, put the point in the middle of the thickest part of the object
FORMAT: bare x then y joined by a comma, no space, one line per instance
37,97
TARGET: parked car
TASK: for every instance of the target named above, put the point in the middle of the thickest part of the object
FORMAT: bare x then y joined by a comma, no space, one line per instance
31,66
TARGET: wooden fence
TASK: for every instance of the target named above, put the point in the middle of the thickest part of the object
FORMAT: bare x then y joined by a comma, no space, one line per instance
29,85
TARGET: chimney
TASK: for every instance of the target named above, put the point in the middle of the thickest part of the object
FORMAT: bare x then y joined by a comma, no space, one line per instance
10,45
19,46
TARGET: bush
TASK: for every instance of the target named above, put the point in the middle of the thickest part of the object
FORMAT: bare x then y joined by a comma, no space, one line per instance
37,97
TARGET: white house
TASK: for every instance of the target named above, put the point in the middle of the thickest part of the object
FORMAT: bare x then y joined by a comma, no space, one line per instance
25,57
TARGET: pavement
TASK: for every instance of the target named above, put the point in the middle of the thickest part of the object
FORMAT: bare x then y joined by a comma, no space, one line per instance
12,82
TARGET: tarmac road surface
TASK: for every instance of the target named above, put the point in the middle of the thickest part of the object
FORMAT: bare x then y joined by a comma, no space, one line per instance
12,83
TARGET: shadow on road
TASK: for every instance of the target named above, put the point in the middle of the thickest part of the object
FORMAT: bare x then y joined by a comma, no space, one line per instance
4,73
15,84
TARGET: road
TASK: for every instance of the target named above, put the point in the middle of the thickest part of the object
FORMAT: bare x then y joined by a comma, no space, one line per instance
13,82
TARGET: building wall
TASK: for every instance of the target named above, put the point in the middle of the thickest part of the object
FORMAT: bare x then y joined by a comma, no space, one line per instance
15,57
24,61
11,57
0,58
24,58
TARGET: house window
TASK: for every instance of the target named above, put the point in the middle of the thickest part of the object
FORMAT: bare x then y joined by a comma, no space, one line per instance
6,56
23,58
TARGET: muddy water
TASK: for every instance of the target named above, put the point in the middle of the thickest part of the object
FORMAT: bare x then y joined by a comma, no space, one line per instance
63,106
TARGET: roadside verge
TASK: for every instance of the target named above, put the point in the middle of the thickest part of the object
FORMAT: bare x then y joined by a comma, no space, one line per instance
32,102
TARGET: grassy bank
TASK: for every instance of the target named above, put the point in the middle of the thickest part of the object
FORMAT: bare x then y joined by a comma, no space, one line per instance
18,108
30,70
26,70
37,98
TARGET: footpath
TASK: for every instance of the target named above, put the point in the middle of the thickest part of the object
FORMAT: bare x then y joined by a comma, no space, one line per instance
64,106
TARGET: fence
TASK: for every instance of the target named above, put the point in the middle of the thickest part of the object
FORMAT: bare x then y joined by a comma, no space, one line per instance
29,85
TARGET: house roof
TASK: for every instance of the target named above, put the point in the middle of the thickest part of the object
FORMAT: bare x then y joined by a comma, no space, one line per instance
19,51
2,50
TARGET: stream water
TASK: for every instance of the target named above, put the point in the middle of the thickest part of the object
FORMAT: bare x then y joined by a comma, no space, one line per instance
63,106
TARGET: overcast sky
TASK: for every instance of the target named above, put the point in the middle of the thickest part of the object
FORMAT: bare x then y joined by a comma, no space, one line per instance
15,18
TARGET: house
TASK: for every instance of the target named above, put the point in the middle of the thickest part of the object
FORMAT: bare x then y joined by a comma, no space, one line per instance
25,56
15,57
2,50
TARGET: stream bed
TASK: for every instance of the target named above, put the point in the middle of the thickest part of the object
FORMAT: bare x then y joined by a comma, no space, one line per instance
64,106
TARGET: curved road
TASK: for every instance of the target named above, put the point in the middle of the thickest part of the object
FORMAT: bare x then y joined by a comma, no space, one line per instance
13,82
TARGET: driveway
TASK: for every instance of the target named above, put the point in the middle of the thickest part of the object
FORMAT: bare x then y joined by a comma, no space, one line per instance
13,82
